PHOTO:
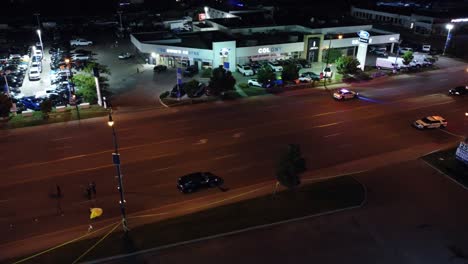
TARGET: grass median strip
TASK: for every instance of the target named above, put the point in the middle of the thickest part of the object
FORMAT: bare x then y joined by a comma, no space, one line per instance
446,162
54,117
315,198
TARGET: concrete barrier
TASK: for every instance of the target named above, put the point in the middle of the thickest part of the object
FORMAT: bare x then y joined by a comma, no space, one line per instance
84,105
60,108
27,113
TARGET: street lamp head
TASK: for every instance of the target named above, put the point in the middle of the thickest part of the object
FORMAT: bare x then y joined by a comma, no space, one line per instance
67,60
110,122
38,31
340,36
466,114
449,26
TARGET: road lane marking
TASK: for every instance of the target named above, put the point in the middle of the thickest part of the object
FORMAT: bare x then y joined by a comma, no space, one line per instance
238,169
201,141
237,135
327,125
162,169
58,139
332,135
453,134
32,164
225,156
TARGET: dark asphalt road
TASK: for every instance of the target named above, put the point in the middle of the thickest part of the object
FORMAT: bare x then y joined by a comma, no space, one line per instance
412,215
238,140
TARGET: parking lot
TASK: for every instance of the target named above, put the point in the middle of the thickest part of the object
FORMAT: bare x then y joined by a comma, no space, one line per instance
132,81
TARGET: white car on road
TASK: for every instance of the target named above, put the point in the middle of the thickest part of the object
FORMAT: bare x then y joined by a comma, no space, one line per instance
254,82
80,42
343,94
430,122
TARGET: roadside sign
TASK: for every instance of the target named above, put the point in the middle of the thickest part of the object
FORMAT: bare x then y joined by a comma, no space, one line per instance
462,152
179,76
116,158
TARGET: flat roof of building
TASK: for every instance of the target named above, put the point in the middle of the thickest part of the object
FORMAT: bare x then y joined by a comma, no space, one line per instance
244,22
196,40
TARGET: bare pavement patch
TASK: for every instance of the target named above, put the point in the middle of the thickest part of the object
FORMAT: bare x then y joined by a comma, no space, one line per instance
312,199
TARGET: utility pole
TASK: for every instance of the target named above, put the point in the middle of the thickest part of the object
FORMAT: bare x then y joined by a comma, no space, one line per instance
120,18
38,21
116,161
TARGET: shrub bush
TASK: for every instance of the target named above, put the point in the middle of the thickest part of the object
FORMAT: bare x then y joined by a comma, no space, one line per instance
206,73
243,85
164,95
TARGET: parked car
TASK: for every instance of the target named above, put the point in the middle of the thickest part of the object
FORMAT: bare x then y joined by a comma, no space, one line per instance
254,82
190,71
125,55
80,42
31,103
80,57
275,66
327,72
245,70
459,90
34,74
37,65
430,122
312,75
160,68
194,181
255,66
343,94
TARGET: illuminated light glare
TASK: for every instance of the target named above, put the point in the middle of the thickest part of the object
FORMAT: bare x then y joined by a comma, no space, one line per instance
457,20
344,90
153,54
449,26
392,39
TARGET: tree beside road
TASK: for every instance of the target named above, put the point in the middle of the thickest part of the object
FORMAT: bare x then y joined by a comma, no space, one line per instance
221,81
291,164
5,105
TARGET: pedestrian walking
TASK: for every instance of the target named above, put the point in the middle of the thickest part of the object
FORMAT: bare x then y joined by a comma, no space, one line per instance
90,228
88,193
59,192
93,187
138,70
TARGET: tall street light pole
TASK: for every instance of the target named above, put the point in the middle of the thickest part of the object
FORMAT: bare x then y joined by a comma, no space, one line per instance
449,27
116,161
38,22
120,19
40,41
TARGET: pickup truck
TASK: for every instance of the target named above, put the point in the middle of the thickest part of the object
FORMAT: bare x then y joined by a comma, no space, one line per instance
80,42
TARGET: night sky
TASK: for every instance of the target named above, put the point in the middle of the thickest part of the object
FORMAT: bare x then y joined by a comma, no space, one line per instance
95,7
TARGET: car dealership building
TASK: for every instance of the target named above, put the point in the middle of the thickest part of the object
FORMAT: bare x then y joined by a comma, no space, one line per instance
228,38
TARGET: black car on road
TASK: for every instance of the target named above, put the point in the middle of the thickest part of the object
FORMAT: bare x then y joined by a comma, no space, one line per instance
194,181
459,90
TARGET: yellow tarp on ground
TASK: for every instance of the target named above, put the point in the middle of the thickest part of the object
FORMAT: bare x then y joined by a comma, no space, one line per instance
95,212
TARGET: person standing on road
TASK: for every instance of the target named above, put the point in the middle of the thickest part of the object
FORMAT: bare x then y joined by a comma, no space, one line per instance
92,185
88,192
59,192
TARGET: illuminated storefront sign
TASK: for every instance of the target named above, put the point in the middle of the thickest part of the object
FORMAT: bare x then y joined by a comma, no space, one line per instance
177,52
174,51
363,36
268,50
